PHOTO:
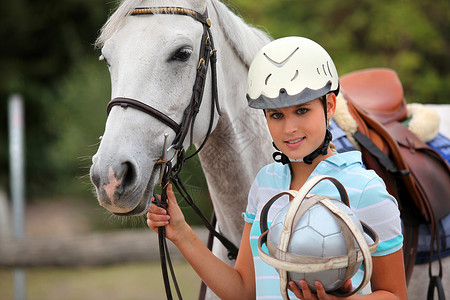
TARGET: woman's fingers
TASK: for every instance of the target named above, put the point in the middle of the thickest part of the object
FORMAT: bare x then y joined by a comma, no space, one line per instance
295,289
172,218
307,294
157,217
320,290
157,220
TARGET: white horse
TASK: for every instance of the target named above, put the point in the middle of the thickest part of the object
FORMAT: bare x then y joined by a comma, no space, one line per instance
153,59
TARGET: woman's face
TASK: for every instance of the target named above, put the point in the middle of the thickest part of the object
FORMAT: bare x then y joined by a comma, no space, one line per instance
299,130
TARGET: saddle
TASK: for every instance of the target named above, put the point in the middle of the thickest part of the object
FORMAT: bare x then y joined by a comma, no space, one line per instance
415,174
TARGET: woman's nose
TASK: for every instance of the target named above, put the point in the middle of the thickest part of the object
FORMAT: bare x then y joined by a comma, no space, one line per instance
290,125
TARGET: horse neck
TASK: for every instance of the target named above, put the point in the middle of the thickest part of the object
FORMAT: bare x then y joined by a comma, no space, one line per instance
240,143
238,147
236,151
233,155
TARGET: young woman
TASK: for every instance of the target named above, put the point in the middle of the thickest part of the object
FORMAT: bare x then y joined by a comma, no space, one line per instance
294,81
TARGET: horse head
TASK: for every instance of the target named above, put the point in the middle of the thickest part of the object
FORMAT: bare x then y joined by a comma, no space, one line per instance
152,59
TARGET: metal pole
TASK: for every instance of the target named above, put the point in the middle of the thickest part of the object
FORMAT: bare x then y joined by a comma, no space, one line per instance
16,159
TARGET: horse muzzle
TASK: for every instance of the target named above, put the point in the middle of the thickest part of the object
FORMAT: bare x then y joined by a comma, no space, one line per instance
121,187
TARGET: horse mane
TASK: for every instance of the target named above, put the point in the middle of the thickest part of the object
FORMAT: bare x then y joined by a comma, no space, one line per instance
245,39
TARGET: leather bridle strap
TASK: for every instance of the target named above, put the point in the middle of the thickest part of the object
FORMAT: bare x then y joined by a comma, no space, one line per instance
125,102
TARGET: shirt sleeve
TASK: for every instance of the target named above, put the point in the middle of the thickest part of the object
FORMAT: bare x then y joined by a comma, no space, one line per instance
379,210
251,210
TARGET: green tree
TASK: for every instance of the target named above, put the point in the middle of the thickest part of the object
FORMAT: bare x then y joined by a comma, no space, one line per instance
410,37
42,42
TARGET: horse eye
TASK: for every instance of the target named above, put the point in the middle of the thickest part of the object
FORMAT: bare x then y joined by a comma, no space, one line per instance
182,54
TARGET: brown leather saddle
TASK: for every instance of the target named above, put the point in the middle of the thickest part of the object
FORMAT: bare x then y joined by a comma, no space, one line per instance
415,174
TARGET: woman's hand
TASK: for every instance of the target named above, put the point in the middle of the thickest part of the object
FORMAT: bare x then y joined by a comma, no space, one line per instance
172,218
305,292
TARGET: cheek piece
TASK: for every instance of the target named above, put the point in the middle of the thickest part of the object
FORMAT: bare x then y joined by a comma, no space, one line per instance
280,157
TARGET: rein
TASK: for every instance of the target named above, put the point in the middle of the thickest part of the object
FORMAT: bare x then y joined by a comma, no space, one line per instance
170,172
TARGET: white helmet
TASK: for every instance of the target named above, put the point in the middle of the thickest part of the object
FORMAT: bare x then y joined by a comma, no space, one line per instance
290,71
316,238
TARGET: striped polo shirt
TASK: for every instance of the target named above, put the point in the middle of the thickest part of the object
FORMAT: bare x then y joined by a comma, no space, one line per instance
368,199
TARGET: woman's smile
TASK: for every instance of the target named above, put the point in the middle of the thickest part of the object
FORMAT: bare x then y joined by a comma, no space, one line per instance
294,143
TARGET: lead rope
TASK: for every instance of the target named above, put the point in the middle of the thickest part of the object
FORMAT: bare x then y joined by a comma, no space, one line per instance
173,174
164,255
163,248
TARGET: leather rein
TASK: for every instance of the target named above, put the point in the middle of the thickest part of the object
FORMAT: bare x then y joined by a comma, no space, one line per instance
172,172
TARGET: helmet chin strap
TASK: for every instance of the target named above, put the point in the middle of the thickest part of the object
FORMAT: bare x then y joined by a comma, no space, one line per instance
296,160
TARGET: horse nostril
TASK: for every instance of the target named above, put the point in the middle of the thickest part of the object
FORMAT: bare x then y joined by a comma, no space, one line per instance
129,174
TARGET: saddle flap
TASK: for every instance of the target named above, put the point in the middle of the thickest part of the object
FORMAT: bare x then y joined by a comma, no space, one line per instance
430,171
377,91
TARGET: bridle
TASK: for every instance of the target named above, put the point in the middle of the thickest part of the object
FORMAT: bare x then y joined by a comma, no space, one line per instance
171,172
207,54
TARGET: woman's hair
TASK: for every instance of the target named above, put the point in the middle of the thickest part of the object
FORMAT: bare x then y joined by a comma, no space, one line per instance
332,147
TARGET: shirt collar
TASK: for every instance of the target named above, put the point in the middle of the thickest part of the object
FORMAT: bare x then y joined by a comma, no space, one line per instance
346,158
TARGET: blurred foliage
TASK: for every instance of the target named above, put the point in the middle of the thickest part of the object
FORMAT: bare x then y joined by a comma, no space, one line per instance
411,37
46,45
47,55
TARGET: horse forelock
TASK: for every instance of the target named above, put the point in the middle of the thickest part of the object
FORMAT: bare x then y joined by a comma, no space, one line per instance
124,9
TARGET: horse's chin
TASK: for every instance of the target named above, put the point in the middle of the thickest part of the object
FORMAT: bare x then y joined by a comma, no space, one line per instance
140,209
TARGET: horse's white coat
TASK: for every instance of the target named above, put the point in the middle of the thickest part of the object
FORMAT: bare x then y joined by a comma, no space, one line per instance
139,50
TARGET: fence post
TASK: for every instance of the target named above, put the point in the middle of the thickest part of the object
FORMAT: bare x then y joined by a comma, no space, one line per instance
5,227
17,179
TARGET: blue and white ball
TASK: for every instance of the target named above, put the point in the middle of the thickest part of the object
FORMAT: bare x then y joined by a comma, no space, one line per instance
316,234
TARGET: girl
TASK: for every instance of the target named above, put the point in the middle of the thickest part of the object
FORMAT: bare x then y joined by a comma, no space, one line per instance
295,82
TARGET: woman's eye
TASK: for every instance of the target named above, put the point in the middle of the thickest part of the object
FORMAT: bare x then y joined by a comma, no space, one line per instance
183,54
302,111
276,116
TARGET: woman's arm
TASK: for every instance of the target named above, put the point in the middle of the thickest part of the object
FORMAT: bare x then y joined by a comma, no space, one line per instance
389,275
225,281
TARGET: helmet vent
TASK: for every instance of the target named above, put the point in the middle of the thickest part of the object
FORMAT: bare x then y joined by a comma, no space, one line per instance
323,67
267,79
280,64
295,75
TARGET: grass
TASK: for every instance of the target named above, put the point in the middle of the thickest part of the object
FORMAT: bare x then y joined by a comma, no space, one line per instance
127,281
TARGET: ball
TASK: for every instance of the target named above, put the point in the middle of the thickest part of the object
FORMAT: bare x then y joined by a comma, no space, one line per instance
316,234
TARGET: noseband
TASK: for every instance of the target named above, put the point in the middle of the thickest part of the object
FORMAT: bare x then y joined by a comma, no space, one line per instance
207,55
